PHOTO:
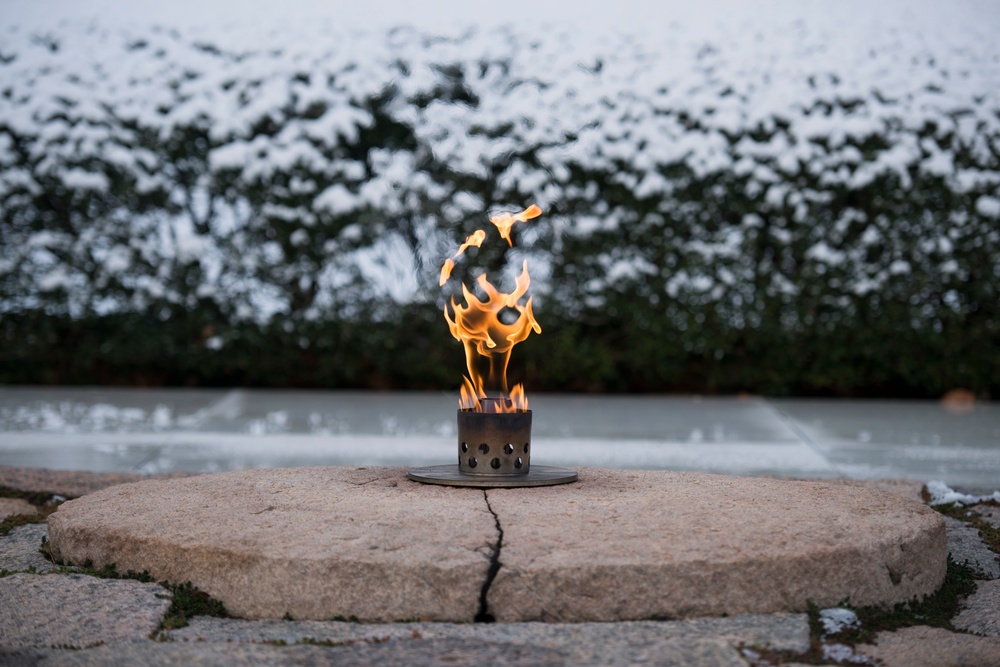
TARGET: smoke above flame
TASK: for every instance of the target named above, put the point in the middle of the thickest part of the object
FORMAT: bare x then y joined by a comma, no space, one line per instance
477,324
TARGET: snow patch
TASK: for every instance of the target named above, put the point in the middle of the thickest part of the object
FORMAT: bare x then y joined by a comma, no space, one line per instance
942,494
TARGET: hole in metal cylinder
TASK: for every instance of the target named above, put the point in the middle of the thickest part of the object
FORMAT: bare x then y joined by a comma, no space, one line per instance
473,462
495,463
508,449
526,447
465,447
518,463
484,448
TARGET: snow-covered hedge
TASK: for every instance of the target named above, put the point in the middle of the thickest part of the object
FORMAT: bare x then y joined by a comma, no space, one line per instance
746,213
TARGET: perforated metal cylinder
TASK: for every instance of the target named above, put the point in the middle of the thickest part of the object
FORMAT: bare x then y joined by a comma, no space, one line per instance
494,444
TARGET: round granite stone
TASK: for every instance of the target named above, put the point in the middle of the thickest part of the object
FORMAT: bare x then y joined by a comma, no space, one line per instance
322,543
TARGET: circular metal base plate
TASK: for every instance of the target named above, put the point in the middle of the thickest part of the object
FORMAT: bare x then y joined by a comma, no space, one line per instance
450,475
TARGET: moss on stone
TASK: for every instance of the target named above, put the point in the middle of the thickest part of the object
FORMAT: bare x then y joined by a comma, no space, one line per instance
12,522
187,601
936,609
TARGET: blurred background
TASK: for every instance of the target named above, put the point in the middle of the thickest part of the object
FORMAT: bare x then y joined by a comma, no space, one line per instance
780,199
786,198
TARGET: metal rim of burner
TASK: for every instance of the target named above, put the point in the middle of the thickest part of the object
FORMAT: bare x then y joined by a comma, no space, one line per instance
494,451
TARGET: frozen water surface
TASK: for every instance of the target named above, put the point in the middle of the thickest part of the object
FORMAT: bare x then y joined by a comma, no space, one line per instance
159,430
927,439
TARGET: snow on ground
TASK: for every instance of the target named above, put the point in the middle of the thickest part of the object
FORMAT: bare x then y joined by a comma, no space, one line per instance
837,619
942,494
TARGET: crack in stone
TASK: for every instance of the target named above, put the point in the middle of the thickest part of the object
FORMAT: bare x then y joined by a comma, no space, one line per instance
484,615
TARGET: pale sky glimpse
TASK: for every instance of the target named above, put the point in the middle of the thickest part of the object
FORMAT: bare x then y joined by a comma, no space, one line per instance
586,14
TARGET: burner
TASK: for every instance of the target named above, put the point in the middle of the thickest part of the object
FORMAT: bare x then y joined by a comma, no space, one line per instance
494,450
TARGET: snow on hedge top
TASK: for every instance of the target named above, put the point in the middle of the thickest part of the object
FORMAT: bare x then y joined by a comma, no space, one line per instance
768,90
667,94
829,74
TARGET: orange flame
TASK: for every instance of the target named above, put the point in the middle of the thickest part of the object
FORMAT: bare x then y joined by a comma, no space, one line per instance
475,239
505,221
477,325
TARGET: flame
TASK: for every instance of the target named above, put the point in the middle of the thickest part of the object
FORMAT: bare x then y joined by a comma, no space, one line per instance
517,397
477,325
505,221
475,239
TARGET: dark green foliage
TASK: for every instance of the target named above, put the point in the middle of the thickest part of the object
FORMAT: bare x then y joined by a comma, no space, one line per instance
346,619
33,497
187,602
808,282
309,641
109,571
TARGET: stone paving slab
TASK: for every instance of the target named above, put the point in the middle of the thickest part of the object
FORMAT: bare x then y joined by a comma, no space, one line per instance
74,610
711,641
990,513
785,632
965,546
425,653
657,544
924,646
981,614
19,549
75,483
67,483
15,506
317,543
